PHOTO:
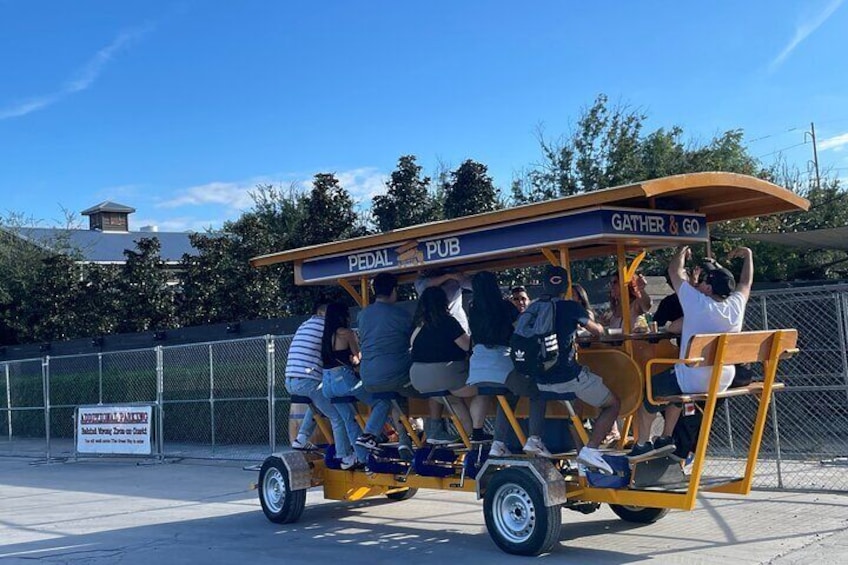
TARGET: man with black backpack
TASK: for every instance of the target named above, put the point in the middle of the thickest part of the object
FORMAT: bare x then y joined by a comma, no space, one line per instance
543,346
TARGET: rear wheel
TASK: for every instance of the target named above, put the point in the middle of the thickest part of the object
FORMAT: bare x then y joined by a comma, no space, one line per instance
516,516
638,514
280,504
404,494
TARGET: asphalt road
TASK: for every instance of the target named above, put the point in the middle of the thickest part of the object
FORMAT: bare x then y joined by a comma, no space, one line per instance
115,511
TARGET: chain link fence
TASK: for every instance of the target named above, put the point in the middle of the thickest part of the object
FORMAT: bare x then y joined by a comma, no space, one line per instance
227,399
805,444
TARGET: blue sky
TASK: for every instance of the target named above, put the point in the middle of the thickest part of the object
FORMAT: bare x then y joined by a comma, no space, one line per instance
180,108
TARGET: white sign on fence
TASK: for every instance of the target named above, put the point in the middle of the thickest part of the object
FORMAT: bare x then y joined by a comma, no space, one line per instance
115,430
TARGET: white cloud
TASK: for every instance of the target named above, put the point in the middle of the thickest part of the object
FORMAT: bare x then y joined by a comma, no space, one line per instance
80,81
363,184
233,195
836,142
803,31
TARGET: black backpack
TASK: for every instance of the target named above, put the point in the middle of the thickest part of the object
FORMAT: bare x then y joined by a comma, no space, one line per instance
534,348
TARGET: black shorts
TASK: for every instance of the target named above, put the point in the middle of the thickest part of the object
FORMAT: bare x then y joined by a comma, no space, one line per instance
663,384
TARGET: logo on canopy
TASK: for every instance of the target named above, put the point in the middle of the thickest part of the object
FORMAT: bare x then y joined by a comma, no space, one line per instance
408,254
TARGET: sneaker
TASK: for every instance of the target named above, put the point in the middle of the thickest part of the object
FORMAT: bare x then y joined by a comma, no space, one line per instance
664,445
405,452
439,435
592,458
641,452
348,462
534,446
368,441
304,445
481,437
499,449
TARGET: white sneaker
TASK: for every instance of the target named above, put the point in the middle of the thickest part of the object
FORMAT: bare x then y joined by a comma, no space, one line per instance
348,462
592,458
499,449
304,444
534,446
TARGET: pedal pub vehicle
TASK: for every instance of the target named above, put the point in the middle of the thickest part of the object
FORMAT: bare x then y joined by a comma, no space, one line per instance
523,496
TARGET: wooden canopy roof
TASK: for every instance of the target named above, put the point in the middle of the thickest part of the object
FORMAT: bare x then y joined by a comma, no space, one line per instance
711,196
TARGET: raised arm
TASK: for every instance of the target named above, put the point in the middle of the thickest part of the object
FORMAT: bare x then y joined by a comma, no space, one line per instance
644,301
437,281
676,268
746,278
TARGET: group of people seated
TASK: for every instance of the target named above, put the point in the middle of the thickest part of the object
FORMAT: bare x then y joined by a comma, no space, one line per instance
441,348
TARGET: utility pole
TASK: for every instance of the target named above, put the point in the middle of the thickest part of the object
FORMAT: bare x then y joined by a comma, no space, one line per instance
812,134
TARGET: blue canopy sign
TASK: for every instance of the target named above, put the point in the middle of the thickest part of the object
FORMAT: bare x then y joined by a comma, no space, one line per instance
551,231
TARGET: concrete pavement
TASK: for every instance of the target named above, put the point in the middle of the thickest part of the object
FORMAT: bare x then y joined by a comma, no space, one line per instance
117,511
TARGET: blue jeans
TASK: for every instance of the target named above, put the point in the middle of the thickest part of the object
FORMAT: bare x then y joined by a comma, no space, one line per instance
310,388
342,381
313,389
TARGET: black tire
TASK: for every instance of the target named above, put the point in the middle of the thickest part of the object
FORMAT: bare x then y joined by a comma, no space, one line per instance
516,516
404,494
638,514
280,503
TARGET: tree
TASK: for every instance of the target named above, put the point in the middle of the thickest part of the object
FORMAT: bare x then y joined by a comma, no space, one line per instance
608,148
146,298
407,201
469,191
828,209
329,213
219,285
41,285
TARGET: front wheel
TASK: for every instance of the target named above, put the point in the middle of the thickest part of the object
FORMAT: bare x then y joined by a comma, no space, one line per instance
280,504
516,516
638,514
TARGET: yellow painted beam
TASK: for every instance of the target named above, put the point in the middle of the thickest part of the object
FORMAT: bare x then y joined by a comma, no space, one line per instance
350,290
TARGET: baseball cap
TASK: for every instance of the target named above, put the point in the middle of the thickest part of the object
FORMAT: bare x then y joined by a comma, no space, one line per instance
721,280
555,281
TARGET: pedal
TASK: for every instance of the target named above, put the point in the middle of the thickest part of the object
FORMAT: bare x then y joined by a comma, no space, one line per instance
657,472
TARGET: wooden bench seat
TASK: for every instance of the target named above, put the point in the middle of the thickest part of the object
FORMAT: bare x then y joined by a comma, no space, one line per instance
716,350
753,388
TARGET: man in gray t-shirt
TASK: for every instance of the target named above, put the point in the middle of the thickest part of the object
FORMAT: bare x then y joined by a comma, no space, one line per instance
384,331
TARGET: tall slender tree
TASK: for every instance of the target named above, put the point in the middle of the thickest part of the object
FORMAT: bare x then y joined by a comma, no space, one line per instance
470,191
407,201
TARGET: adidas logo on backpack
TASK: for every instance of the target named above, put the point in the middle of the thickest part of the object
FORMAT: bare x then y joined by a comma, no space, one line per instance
534,348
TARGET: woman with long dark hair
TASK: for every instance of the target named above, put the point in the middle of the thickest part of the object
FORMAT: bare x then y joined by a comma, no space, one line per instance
340,354
491,319
440,359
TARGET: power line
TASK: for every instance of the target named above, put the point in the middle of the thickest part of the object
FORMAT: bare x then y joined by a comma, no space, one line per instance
782,149
762,137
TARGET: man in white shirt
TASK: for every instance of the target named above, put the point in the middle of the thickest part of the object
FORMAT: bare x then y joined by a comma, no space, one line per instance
715,304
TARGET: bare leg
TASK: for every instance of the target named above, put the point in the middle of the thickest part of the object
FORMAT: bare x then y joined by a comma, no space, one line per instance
436,409
478,407
605,421
462,413
644,419
672,415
